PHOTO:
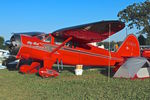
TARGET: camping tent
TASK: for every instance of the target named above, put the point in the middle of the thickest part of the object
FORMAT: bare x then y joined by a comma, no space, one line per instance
138,67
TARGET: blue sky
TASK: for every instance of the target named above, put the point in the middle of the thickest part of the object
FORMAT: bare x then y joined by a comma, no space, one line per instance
50,15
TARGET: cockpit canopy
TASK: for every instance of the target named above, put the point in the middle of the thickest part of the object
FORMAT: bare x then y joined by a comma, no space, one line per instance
44,37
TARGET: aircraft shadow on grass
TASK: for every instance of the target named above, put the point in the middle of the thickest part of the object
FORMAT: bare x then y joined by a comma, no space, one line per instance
107,72
102,70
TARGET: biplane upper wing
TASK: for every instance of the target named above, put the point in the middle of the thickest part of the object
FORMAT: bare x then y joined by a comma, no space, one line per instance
92,32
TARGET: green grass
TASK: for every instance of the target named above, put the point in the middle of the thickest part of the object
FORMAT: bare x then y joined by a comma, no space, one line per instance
90,86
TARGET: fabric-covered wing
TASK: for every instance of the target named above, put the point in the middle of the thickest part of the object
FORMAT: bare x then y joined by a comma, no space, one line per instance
92,32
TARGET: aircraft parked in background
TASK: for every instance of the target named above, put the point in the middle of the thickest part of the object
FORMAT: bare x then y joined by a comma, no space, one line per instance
4,54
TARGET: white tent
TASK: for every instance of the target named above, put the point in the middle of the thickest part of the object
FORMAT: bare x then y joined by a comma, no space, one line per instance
138,67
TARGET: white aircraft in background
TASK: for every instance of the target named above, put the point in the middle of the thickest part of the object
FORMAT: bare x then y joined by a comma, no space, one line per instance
4,55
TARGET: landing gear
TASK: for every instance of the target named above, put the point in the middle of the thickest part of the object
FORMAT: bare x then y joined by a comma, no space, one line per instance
47,71
59,64
30,69
35,67
44,72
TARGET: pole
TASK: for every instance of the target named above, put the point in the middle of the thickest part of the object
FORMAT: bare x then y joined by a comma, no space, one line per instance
109,53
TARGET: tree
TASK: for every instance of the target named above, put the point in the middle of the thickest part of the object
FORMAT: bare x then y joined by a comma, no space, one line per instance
2,46
137,15
1,42
142,40
148,41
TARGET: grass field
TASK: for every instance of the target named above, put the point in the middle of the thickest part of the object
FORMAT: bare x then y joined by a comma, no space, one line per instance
92,85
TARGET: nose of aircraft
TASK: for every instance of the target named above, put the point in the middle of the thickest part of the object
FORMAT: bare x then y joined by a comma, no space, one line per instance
14,44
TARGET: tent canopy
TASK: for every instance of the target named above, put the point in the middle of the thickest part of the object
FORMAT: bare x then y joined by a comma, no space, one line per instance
133,66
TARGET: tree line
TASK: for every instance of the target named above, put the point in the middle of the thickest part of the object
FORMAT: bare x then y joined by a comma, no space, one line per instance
2,44
137,16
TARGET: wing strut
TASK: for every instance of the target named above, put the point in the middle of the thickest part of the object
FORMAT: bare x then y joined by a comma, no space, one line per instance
56,49
47,71
59,64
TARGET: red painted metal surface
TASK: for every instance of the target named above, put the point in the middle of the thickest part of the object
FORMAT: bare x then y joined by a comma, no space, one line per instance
146,53
44,72
30,69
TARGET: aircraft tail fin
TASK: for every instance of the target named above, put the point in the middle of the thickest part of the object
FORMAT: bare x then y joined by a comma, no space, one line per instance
130,47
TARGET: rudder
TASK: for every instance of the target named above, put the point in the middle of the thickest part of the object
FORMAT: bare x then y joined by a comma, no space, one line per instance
130,47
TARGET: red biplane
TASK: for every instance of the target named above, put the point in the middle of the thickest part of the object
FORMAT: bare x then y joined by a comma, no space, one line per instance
74,49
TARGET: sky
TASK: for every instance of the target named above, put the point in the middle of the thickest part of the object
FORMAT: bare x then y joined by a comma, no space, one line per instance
50,15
